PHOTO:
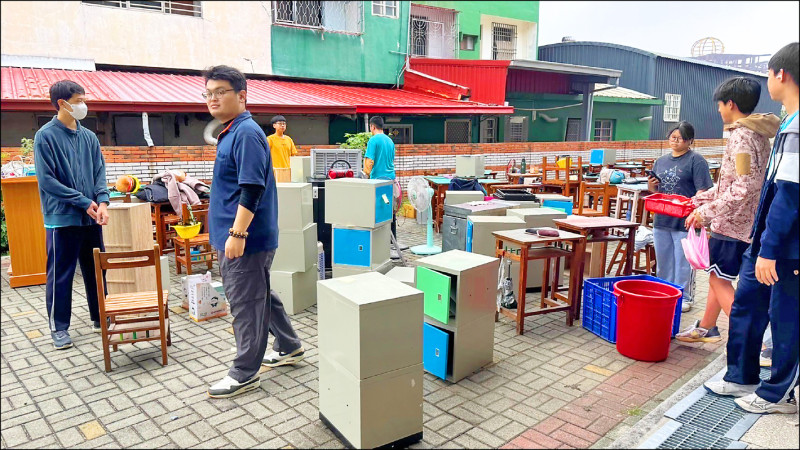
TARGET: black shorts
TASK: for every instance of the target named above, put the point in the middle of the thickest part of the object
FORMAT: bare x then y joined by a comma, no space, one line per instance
725,256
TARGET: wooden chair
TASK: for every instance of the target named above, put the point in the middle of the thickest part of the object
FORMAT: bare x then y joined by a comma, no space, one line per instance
621,253
567,179
597,192
183,253
134,316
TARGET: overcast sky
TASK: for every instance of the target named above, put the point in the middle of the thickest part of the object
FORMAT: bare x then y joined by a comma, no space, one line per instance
752,27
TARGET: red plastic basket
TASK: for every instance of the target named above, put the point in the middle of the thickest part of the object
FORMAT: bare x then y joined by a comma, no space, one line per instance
669,204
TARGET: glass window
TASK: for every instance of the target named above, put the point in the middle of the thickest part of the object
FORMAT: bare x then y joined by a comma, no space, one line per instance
603,130
672,107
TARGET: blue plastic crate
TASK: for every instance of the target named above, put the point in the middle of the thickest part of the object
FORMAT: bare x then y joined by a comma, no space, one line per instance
599,313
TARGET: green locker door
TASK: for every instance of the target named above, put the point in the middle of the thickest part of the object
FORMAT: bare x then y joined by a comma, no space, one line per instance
436,287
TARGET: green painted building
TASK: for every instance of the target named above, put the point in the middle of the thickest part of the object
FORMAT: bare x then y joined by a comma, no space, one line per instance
493,30
353,41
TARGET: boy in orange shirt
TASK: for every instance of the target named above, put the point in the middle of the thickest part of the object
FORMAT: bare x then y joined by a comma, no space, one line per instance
281,146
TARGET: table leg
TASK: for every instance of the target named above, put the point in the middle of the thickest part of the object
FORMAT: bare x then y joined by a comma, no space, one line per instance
576,279
629,254
160,238
634,205
545,282
523,283
619,203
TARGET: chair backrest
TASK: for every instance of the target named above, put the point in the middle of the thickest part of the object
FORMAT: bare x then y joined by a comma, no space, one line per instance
200,213
138,258
598,191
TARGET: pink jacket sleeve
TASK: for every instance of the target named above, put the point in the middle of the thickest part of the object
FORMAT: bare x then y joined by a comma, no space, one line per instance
732,198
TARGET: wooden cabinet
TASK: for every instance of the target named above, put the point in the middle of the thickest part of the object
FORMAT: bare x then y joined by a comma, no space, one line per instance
129,228
26,235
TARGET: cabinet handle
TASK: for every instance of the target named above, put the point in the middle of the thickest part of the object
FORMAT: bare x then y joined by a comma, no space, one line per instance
453,229
436,351
361,248
440,297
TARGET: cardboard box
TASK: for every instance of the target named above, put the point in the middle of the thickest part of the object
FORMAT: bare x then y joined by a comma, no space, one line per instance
205,299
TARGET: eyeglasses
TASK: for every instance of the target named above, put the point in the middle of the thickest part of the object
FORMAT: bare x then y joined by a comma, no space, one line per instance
676,139
216,94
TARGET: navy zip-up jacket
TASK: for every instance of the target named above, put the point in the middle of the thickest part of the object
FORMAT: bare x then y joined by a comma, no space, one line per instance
71,172
775,230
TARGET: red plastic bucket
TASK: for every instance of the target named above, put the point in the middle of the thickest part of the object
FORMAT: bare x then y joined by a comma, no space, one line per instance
645,311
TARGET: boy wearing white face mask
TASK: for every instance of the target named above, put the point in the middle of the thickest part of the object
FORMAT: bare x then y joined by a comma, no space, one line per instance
73,190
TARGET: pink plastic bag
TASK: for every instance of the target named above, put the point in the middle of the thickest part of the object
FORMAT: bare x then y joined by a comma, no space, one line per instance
696,249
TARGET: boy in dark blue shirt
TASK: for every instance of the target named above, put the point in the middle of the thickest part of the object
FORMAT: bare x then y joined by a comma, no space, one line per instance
73,190
768,279
243,227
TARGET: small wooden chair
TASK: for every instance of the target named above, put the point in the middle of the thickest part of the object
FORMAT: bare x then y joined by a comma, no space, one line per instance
565,178
142,316
183,253
598,208
621,253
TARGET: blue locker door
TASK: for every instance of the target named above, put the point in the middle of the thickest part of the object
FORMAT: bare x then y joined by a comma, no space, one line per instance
383,210
352,247
435,350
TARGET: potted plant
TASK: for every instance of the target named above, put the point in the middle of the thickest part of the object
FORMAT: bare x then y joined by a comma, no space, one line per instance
190,229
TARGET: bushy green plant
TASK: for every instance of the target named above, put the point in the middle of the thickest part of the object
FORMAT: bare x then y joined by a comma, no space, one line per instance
27,146
357,140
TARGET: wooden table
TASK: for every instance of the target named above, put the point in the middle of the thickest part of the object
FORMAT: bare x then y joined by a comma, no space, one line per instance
532,247
713,168
598,230
439,185
515,178
26,234
634,169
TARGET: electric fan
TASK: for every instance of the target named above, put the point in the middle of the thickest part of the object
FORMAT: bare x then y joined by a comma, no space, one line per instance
420,194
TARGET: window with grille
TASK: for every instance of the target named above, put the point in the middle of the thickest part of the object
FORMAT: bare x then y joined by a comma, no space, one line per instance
573,130
516,129
400,134
672,107
419,36
182,8
489,130
603,130
504,41
386,9
337,17
457,131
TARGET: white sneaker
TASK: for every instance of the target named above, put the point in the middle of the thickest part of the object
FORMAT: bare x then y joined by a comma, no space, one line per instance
726,388
275,359
229,387
757,405
686,306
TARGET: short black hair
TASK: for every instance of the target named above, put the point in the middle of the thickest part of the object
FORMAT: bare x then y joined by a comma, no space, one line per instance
686,130
277,119
377,121
743,91
788,59
226,73
64,90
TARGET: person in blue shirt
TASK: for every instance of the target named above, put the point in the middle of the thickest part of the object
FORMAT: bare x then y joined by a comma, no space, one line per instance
243,228
71,173
379,158
768,286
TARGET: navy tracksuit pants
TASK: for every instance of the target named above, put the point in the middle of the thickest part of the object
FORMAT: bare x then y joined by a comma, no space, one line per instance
67,247
754,306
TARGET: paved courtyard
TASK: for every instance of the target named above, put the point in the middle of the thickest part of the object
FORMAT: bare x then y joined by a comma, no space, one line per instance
554,387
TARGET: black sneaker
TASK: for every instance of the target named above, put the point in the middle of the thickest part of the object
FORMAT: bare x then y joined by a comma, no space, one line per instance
275,359
229,387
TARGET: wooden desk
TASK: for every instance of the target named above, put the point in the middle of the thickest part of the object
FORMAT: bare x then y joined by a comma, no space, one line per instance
26,235
515,178
439,186
532,247
634,193
599,230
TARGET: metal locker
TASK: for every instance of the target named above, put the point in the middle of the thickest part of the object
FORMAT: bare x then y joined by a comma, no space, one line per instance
339,270
454,233
295,206
297,290
372,200
361,247
470,166
297,250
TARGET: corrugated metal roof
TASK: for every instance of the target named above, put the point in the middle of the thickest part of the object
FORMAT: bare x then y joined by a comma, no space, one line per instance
28,89
654,54
486,79
620,92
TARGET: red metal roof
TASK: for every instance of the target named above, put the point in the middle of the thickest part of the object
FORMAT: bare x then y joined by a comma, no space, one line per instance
486,79
28,90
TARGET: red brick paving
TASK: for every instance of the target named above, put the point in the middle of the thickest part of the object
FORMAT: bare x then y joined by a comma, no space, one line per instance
585,420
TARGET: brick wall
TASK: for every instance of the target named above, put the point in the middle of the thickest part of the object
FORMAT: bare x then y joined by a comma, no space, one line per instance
410,159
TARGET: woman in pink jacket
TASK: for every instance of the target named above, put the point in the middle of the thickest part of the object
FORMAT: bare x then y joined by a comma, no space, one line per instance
730,206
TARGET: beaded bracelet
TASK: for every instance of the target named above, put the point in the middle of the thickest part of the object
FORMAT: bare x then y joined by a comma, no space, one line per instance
237,234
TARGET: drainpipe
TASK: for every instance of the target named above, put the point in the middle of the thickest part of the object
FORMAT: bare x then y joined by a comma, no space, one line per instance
366,122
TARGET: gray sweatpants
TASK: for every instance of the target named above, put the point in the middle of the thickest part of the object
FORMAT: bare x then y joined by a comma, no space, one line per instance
255,314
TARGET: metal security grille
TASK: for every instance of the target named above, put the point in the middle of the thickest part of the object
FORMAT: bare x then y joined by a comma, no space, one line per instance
573,130
339,17
672,107
712,413
688,436
434,32
183,8
504,41
456,131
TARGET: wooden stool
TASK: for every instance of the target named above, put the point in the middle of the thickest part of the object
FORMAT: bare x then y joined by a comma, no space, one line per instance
621,253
